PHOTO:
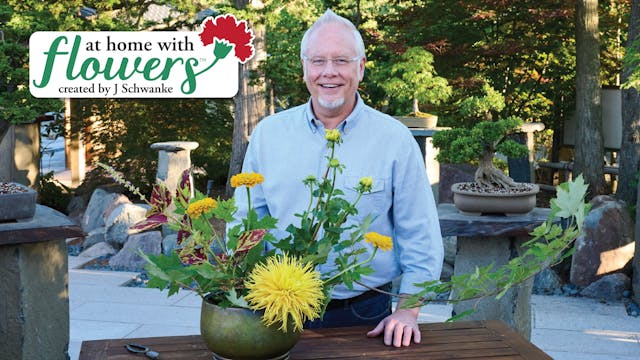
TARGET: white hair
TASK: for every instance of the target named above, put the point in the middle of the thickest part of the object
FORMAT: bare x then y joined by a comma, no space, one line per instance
329,17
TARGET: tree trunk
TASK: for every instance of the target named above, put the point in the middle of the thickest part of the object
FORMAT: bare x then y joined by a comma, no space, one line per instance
250,102
630,149
629,156
589,150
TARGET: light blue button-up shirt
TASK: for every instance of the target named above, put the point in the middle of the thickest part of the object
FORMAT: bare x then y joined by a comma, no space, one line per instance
289,146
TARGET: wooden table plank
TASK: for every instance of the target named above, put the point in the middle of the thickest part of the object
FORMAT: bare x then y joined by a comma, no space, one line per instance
460,340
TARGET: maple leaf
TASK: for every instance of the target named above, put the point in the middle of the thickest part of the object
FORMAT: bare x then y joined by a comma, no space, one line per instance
235,32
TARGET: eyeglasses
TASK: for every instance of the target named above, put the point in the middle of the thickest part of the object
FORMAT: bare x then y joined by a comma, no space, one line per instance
321,62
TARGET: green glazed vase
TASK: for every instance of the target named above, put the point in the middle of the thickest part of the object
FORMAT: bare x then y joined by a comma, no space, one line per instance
239,334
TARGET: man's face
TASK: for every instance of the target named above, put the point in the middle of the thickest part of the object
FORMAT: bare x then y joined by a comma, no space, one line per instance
332,85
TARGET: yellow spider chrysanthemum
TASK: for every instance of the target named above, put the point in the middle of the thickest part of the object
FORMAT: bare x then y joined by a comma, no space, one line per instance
382,242
246,179
197,208
285,289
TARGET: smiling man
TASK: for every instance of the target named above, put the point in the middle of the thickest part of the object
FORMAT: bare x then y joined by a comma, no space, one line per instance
291,145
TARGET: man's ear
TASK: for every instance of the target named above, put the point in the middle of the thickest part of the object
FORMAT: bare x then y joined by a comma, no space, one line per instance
361,67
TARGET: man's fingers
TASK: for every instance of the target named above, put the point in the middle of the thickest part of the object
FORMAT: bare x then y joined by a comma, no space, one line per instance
417,336
377,330
407,334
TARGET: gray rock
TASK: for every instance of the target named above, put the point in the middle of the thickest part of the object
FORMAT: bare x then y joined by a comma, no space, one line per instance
94,236
100,201
169,243
118,223
546,282
97,250
607,243
128,259
609,287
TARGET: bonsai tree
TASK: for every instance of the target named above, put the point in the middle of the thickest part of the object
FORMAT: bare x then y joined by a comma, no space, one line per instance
480,143
414,78
480,139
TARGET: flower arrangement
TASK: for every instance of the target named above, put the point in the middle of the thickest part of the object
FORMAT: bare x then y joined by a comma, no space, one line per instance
238,271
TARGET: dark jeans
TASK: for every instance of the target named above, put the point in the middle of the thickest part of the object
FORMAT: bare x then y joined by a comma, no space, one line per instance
368,311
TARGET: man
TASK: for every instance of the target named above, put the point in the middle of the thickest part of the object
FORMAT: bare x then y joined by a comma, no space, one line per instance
289,146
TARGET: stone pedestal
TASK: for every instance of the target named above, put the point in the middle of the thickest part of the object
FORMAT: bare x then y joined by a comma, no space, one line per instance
20,154
173,158
34,310
483,240
423,137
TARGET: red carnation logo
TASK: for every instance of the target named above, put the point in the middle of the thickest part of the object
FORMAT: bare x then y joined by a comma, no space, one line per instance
228,33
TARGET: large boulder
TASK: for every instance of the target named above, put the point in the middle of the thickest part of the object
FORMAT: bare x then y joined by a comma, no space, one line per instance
128,259
120,219
100,201
606,245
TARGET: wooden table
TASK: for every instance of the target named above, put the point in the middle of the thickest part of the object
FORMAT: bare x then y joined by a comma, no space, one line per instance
460,340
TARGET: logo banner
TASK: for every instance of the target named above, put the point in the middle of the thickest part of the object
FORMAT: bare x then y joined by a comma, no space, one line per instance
160,64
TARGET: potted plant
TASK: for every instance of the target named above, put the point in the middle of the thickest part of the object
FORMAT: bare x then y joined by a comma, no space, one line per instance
17,201
413,79
243,316
492,191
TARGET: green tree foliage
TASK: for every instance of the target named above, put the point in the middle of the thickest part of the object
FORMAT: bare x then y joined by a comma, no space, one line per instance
413,81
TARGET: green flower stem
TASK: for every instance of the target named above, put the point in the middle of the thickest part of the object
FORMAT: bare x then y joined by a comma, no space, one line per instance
356,265
248,227
321,195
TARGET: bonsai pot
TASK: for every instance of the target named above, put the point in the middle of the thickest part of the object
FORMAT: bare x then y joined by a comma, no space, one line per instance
16,201
469,201
425,121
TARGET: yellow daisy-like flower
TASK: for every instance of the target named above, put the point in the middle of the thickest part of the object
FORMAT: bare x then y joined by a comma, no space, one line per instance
246,179
332,135
382,242
285,289
197,208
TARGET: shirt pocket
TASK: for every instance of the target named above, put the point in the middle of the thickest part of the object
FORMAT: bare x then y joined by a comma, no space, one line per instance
372,202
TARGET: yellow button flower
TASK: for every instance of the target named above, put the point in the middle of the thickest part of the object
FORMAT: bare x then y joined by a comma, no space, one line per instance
366,183
247,179
382,242
197,208
332,135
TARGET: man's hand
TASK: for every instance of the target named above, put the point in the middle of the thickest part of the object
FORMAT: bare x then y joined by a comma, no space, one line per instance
399,327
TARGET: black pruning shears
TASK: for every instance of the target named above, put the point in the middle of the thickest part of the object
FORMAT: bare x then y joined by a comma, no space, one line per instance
140,349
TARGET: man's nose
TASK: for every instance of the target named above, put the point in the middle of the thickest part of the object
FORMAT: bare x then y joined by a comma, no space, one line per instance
329,68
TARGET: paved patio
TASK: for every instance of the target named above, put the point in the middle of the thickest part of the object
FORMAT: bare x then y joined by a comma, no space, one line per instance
100,308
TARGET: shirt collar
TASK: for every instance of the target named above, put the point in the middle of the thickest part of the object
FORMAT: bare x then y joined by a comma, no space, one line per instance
345,126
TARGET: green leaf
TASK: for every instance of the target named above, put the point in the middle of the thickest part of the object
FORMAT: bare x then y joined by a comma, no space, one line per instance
236,300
